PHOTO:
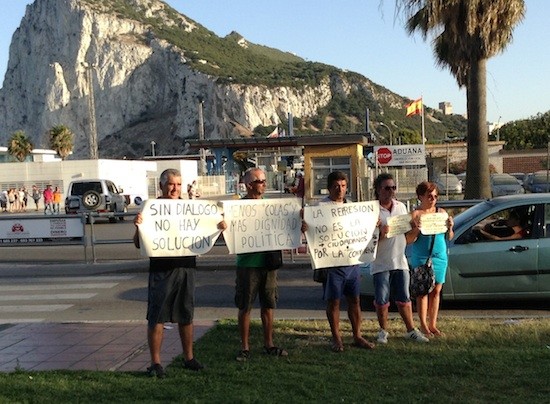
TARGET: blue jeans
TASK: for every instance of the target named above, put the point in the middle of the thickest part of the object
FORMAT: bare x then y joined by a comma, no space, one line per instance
394,282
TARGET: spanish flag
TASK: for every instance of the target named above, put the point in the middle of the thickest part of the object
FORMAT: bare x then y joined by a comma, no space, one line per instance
414,107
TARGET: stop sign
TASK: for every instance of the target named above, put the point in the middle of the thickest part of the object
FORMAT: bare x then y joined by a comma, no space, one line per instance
383,155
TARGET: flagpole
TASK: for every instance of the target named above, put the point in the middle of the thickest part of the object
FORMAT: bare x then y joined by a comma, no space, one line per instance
422,119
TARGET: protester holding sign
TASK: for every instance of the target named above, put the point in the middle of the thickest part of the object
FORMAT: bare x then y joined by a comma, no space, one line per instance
390,269
428,306
341,280
171,290
255,278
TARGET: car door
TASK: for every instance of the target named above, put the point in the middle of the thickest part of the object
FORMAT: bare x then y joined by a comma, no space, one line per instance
481,268
544,253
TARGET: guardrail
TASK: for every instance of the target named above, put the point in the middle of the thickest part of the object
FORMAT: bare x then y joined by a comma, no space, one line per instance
39,230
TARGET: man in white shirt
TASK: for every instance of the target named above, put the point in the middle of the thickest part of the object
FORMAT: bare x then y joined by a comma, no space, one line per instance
390,269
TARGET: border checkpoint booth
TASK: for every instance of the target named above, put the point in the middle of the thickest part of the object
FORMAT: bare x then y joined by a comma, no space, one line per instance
317,155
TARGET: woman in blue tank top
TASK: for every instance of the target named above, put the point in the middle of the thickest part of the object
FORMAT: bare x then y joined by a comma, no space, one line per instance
428,306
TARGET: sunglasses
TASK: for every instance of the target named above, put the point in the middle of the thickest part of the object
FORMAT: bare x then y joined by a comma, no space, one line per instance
390,188
258,182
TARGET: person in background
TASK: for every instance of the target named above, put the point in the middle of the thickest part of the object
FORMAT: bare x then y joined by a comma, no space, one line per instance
36,195
299,188
428,306
342,281
4,200
390,269
192,191
48,200
171,291
57,196
513,228
254,279
12,200
23,198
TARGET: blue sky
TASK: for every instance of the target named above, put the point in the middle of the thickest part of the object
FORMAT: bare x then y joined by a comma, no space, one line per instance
363,36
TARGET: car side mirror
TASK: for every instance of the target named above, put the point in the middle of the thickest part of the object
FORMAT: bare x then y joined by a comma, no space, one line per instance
120,190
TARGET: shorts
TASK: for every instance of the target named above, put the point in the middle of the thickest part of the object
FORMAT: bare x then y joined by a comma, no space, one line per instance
394,282
171,296
251,282
342,281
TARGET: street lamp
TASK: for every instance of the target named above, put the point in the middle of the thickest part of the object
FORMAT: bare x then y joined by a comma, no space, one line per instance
92,136
389,130
202,150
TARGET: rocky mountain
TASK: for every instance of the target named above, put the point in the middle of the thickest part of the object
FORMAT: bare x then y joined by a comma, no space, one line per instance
147,72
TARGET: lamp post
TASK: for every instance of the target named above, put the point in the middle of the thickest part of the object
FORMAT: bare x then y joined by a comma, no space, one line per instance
389,130
153,148
202,151
92,135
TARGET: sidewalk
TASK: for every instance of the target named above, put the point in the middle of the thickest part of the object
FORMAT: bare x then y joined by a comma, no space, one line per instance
86,346
103,346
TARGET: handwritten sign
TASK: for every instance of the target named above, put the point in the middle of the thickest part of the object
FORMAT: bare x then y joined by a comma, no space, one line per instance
256,225
398,225
339,234
433,223
176,227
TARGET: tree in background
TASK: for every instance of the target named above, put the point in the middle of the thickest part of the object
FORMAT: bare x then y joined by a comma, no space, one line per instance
19,145
466,33
61,139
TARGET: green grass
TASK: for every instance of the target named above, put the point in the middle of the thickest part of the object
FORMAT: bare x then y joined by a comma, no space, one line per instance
477,361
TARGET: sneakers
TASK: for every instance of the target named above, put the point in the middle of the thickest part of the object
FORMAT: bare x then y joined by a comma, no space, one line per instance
193,364
416,335
382,337
156,370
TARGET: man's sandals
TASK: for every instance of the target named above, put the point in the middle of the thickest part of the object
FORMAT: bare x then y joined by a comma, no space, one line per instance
275,351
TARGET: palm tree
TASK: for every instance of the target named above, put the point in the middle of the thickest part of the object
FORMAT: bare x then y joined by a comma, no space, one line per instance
466,34
19,145
61,140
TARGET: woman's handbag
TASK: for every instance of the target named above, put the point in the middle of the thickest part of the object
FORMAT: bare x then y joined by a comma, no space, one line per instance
422,277
273,259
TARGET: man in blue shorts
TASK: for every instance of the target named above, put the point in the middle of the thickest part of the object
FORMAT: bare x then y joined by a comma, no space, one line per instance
342,281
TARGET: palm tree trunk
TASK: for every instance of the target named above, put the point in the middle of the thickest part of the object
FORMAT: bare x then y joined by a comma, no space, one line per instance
477,163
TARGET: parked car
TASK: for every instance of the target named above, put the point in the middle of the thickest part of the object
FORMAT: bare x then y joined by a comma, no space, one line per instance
481,269
537,182
519,177
505,184
96,195
448,184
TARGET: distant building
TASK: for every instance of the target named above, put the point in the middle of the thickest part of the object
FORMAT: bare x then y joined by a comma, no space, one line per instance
36,155
446,108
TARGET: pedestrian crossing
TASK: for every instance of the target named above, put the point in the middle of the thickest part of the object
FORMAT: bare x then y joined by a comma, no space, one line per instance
31,299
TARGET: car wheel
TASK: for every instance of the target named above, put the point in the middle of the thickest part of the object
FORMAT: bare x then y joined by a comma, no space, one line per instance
112,220
91,200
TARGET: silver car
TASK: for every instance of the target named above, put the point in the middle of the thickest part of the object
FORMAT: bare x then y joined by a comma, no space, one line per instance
505,184
496,270
448,184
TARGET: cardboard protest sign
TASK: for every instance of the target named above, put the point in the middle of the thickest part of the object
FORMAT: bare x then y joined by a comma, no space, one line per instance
338,234
255,225
178,227
398,225
433,223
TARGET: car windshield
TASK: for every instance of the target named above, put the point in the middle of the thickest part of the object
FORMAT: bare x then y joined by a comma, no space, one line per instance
540,179
451,179
505,180
472,212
